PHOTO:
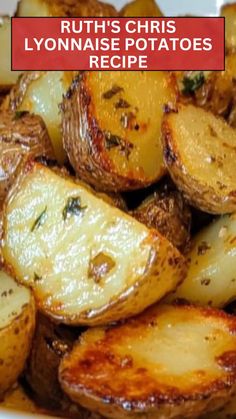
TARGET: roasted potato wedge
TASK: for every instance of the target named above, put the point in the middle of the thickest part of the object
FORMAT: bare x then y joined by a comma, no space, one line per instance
89,262
21,136
111,129
17,320
211,276
7,77
214,91
68,8
41,93
217,93
229,12
199,152
141,8
169,362
167,211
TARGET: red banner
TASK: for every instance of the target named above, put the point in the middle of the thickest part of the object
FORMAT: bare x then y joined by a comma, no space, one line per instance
184,43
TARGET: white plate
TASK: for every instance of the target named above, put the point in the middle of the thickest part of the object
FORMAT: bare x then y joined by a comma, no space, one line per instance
170,8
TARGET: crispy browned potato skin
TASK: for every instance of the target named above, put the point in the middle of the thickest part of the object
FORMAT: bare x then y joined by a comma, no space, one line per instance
232,114
167,212
18,91
114,199
200,194
85,146
95,373
21,136
76,8
4,90
51,342
88,156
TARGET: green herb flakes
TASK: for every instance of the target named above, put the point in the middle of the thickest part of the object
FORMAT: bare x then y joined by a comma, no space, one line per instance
40,220
73,207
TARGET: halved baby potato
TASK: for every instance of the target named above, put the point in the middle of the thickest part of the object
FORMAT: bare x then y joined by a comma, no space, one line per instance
169,362
17,321
200,152
86,261
7,77
22,135
112,127
214,91
68,8
211,278
41,93
141,8
229,12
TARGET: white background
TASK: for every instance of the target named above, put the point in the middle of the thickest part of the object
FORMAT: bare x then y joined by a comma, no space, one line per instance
169,8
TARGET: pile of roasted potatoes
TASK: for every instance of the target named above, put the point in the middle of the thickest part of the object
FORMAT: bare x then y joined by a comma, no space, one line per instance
118,235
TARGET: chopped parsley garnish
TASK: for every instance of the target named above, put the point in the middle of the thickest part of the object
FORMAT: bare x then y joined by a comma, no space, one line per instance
40,220
37,277
191,84
112,141
73,207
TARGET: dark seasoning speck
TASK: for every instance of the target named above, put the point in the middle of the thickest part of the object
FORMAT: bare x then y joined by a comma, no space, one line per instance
127,121
112,92
114,141
73,207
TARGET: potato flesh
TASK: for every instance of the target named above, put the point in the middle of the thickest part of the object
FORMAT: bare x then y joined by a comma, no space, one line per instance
105,236
43,97
202,157
18,400
211,276
166,355
141,8
69,8
33,8
7,77
146,93
13,298
229,12
54,258
199,155
17,320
